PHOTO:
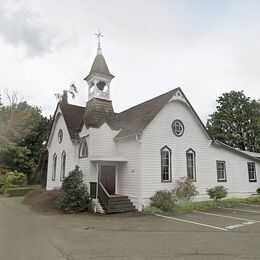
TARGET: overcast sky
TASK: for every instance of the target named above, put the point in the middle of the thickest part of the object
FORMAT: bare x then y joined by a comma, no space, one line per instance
206,47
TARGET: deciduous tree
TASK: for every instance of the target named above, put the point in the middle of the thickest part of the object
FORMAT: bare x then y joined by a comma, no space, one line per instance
23,130
236,121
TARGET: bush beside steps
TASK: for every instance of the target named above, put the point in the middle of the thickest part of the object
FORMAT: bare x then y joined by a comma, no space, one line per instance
72,197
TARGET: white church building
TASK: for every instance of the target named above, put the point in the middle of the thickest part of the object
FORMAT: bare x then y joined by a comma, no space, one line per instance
144,149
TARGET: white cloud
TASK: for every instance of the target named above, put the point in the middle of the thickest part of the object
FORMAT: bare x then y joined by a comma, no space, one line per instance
22,28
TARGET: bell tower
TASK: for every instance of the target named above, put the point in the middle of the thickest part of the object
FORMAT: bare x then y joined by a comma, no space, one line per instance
99,77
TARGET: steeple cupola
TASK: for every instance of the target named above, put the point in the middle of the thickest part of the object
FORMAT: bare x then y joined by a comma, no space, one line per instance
99,77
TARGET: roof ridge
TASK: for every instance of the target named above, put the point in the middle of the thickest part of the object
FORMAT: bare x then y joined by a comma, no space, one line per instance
166,93
67,104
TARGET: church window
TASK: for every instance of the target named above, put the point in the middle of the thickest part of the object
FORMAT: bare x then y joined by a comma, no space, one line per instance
54,166
178,127
63,165
191,164
221,171
251,171
83,148
60,135
166,164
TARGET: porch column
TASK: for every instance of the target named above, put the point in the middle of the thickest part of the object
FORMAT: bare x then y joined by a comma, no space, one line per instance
96,204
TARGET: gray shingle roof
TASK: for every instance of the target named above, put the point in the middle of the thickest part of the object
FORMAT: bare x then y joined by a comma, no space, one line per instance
73,116
98,111
99,66
135,119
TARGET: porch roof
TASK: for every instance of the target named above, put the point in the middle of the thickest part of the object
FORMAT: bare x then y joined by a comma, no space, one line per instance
108,159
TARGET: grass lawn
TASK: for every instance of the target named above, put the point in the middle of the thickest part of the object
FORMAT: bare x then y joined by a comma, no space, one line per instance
20,191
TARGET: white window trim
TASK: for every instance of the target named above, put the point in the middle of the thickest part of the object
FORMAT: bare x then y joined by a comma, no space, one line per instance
166,148
63,162
54,167
82,142
191,151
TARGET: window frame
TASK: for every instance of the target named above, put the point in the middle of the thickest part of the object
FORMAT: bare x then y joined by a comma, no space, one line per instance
182,125
194,177
83,141
63,165
168,149
255,179
60,136
225,171
54,167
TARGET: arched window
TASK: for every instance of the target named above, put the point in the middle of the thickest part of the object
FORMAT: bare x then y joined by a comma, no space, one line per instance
54,166
191,164
166,166
63,165
83,148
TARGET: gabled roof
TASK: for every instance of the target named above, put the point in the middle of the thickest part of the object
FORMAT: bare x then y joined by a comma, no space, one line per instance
73,116
135,119
252,156
130,122
99,66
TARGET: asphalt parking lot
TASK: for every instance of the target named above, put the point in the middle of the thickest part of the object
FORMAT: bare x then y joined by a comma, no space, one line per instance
222,233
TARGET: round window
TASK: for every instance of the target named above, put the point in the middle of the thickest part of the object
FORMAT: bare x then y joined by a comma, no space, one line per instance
178,127
60,135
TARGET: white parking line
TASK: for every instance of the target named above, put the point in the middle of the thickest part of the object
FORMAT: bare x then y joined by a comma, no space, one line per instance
225,216
240,225
251,205
192,222
245,210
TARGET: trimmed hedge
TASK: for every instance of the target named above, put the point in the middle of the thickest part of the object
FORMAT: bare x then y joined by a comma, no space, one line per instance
20,191
201,205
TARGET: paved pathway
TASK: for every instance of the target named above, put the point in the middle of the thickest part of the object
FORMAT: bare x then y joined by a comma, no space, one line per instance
33,236
20,236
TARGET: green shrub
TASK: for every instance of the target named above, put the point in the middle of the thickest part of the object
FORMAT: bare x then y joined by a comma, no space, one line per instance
185,189
153,210
15,178
258,190
217,192
163,200
74,197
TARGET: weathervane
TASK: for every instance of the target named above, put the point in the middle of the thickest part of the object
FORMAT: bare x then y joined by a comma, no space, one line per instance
99,35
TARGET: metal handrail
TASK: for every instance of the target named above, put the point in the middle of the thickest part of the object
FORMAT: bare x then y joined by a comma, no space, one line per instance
104,196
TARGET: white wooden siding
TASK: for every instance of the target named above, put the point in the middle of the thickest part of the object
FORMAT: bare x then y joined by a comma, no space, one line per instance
159,133
128,173
101,144
236,171
56,147
84,162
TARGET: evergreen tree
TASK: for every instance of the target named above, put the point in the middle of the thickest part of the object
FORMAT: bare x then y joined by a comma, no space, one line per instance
74,197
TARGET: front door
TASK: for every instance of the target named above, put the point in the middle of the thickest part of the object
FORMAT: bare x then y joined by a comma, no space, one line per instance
108,178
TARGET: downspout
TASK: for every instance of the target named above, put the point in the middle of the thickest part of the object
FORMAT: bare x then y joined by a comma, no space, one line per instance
139,140
96,204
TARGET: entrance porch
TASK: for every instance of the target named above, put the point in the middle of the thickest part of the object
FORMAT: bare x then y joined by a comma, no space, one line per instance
106,192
